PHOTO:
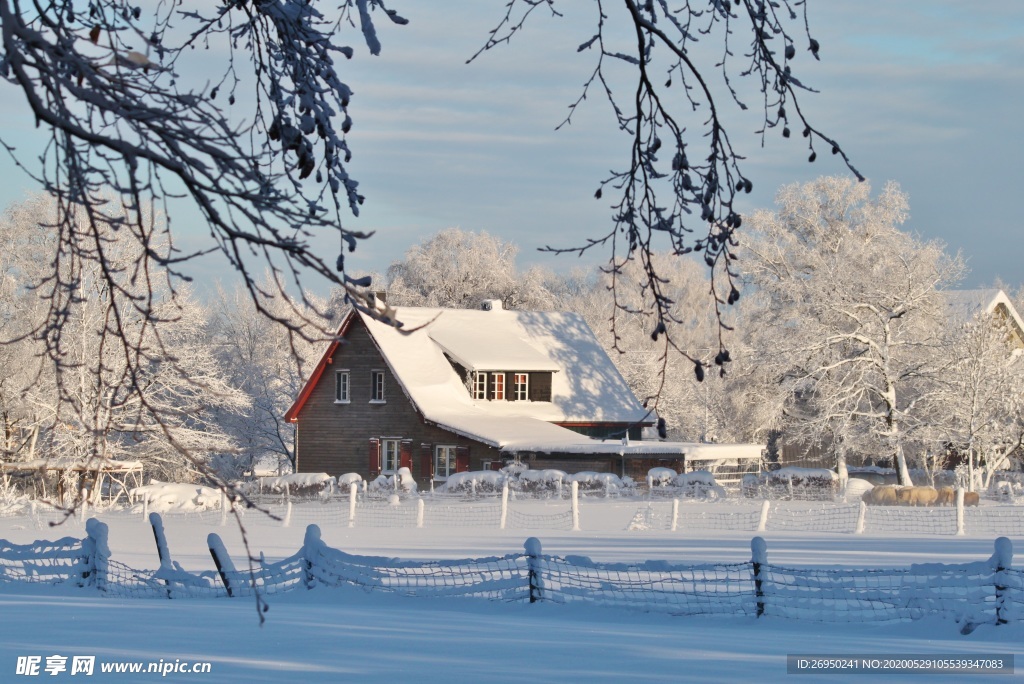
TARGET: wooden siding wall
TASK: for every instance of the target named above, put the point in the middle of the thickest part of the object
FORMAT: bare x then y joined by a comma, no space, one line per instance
334,438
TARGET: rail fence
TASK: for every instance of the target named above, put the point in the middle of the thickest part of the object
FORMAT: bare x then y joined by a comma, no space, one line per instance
988,591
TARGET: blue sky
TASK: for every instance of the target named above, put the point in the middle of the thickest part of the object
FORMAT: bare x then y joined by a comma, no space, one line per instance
925,93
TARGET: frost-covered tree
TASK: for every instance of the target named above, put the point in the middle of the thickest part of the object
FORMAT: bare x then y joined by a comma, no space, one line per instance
851,313
458,269
977,405
260,359
149,393
717,409
138,104
23,254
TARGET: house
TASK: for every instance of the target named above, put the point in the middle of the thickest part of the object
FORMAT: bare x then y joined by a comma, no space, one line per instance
470,389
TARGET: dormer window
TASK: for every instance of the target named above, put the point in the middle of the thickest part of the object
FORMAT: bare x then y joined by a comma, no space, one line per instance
510,386
521,386
498,386
480,385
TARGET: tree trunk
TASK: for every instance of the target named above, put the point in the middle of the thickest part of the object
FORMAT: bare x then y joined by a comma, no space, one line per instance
902,472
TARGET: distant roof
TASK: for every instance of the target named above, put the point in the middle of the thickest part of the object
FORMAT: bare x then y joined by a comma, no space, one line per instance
966,305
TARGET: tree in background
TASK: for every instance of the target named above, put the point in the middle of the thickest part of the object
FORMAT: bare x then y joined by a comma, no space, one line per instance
22,368
268,365
658,370
977,404
851,314
150,393
459,269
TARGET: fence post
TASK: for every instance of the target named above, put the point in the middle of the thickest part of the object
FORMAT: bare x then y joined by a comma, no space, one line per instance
675,514
222,560
224,510
353,488
758,559
504,506
763,522
861,514
533,554
575,491
419,513
960,511
310,547
145,506
85,505
163,552
97,554
287,514
1003,560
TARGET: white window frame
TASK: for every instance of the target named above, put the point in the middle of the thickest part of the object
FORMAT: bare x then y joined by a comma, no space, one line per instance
447,450
342,386
521,390
390,454
498,386
479,385
377,395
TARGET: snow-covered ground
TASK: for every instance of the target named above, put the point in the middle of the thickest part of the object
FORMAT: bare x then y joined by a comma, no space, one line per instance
349,635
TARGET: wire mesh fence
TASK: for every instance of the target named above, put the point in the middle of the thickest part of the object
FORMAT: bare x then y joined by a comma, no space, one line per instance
44,562
973,593
678,515
804,517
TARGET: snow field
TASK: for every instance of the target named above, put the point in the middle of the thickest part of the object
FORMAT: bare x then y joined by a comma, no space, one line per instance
333,634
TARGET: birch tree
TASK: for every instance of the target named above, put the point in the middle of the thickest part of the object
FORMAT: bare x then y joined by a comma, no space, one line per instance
852,313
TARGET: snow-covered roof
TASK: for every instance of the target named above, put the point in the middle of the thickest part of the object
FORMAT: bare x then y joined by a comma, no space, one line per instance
966,305
587,387
490,349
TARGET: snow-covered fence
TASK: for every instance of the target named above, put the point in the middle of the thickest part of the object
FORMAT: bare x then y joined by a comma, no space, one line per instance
971,593
990,591
498,577
79,562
